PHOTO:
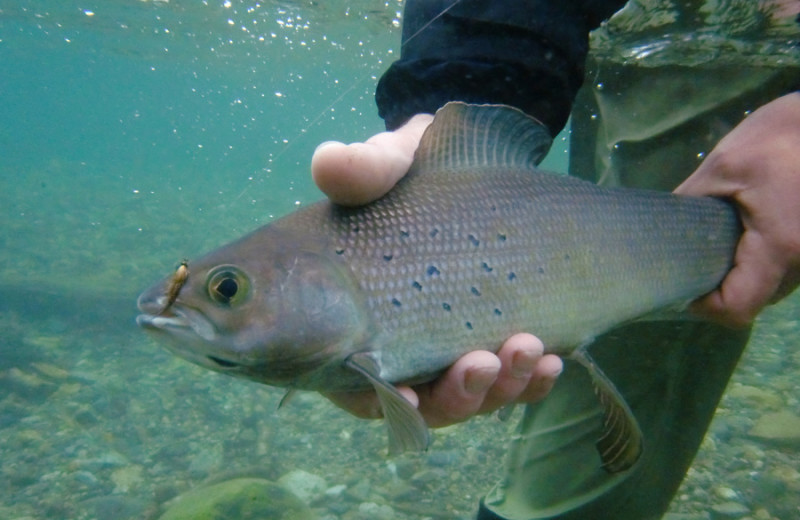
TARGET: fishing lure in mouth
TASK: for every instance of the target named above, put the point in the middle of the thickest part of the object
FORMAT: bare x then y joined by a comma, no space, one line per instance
175,285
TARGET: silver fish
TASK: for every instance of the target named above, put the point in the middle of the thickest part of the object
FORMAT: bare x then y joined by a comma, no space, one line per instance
473,245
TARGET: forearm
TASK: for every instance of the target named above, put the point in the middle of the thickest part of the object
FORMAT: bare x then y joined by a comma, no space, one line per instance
527,54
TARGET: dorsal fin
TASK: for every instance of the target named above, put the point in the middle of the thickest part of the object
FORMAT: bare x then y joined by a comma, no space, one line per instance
464,136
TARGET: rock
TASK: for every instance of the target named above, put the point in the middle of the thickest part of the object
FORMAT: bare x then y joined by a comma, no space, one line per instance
763,399
51,371
442,459
29,386
428,477
373,511
126,478
206,461
779,428
726,493
400,490
728,510
307,486
360,490
86,478
243,499
117,507
335,491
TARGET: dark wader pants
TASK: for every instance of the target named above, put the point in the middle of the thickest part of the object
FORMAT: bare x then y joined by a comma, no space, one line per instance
644,128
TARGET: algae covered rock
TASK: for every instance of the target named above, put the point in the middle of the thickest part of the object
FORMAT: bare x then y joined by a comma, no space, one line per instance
239,499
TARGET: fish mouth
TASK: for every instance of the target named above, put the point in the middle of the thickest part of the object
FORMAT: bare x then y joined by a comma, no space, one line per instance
188,332
181,321
177,320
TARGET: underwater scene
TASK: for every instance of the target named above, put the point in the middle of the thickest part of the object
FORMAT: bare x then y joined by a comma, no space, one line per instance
137,133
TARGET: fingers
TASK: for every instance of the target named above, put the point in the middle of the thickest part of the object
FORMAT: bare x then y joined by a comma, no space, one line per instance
478,382
459,393
481,382
747,288
521,377
359,173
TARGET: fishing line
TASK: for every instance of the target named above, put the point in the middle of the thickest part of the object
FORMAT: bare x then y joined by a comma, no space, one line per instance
341,96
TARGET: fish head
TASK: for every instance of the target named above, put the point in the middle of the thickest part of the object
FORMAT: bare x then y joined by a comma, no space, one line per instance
269,307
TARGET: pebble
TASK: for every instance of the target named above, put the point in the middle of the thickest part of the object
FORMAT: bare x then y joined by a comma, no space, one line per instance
759,397
126,478
373,511
443,458
51,371
307,486
335,491
726,493
427,477
86,478
29,386
778,427
728,510
206,461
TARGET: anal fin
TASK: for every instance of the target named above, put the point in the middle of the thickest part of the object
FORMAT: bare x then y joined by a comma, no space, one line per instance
406,427
620,444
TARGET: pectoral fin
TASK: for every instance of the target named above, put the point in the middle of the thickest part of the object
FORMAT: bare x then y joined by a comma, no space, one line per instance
287,397
620,444
406,427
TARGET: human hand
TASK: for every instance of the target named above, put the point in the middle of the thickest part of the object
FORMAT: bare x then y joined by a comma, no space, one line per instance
478,382
757,166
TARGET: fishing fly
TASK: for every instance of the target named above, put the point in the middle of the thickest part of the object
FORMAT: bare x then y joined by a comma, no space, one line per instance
176,283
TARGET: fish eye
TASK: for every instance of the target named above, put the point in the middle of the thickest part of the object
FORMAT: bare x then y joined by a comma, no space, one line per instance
227,285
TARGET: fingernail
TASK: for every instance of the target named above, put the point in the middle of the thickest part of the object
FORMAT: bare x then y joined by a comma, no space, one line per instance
523,363
478,380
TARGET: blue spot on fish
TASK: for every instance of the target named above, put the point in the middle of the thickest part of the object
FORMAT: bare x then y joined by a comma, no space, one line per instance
433,271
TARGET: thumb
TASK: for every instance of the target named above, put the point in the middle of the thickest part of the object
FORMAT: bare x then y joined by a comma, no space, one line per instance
359,173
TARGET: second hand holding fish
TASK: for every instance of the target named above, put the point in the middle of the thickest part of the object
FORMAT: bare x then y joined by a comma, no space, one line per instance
480,381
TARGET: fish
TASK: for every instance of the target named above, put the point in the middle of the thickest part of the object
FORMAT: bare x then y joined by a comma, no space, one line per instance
473,245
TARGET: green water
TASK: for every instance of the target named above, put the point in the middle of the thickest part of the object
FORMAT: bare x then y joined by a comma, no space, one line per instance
135,133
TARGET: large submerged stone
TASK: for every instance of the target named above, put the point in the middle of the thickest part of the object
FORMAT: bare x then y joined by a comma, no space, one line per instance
778,428
239,499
